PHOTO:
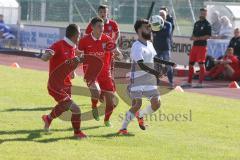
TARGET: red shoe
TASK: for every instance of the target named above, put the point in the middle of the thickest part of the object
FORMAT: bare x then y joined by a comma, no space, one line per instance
80,135
140,121
123,132
47,122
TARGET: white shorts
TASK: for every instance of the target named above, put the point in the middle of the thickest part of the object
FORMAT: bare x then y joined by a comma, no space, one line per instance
149,91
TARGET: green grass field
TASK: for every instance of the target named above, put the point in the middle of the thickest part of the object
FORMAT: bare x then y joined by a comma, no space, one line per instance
211,132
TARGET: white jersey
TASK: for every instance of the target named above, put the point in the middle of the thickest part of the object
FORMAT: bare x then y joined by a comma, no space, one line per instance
140,51
141,79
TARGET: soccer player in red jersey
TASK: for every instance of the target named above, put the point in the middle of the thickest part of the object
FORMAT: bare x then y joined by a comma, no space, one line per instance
228,66
62,62
97,43
110,26
111,29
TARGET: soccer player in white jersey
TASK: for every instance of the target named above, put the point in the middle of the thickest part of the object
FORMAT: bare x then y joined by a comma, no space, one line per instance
143,76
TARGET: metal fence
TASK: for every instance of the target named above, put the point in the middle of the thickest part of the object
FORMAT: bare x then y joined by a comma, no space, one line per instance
125,12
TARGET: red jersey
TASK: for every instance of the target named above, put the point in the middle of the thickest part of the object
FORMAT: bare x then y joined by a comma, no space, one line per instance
235,62
92,46
110,28
63,50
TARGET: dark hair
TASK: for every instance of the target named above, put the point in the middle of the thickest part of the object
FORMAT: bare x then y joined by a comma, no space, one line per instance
164,8
72,30
203,9
102,7
138,24
96,20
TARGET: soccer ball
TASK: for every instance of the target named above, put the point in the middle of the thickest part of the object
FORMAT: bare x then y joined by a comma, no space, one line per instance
156,22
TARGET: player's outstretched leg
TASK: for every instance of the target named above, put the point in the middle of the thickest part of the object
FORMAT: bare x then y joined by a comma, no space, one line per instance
63,107
56,112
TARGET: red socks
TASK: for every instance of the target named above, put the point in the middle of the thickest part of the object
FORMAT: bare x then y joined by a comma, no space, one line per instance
190,74
76,120
94,102
202,73
108,112
62,107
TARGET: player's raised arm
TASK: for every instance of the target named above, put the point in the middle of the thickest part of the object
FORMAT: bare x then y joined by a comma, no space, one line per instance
158,60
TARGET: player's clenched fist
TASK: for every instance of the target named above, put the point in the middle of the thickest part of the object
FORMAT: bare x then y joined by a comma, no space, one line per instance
47,55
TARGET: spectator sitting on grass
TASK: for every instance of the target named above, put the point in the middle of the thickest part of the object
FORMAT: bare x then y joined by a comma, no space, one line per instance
228,67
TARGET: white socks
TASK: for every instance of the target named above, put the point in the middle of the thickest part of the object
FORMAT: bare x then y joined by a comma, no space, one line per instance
146,111
129,116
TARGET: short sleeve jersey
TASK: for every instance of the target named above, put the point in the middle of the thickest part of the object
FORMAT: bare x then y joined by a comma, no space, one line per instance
141,51
63,50
201,28
92,46
110,28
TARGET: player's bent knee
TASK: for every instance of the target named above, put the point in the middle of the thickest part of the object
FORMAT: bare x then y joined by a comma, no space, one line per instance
65,105
74,108
138,103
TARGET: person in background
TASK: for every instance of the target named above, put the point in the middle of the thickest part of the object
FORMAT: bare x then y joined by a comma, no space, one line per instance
169,18
216,23
201,33
235,43
162,45
110,26
228,66
5,30
226,29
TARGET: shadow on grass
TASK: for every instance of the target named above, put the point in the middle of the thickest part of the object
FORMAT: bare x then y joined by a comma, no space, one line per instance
35,109
112,135
34,134
27,109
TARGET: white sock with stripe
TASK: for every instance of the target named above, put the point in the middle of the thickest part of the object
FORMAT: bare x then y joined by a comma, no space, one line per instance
129,116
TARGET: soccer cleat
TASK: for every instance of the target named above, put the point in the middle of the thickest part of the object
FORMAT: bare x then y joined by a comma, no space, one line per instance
140,121
186,85
123,132
107,123
80,135
95,114
47,122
